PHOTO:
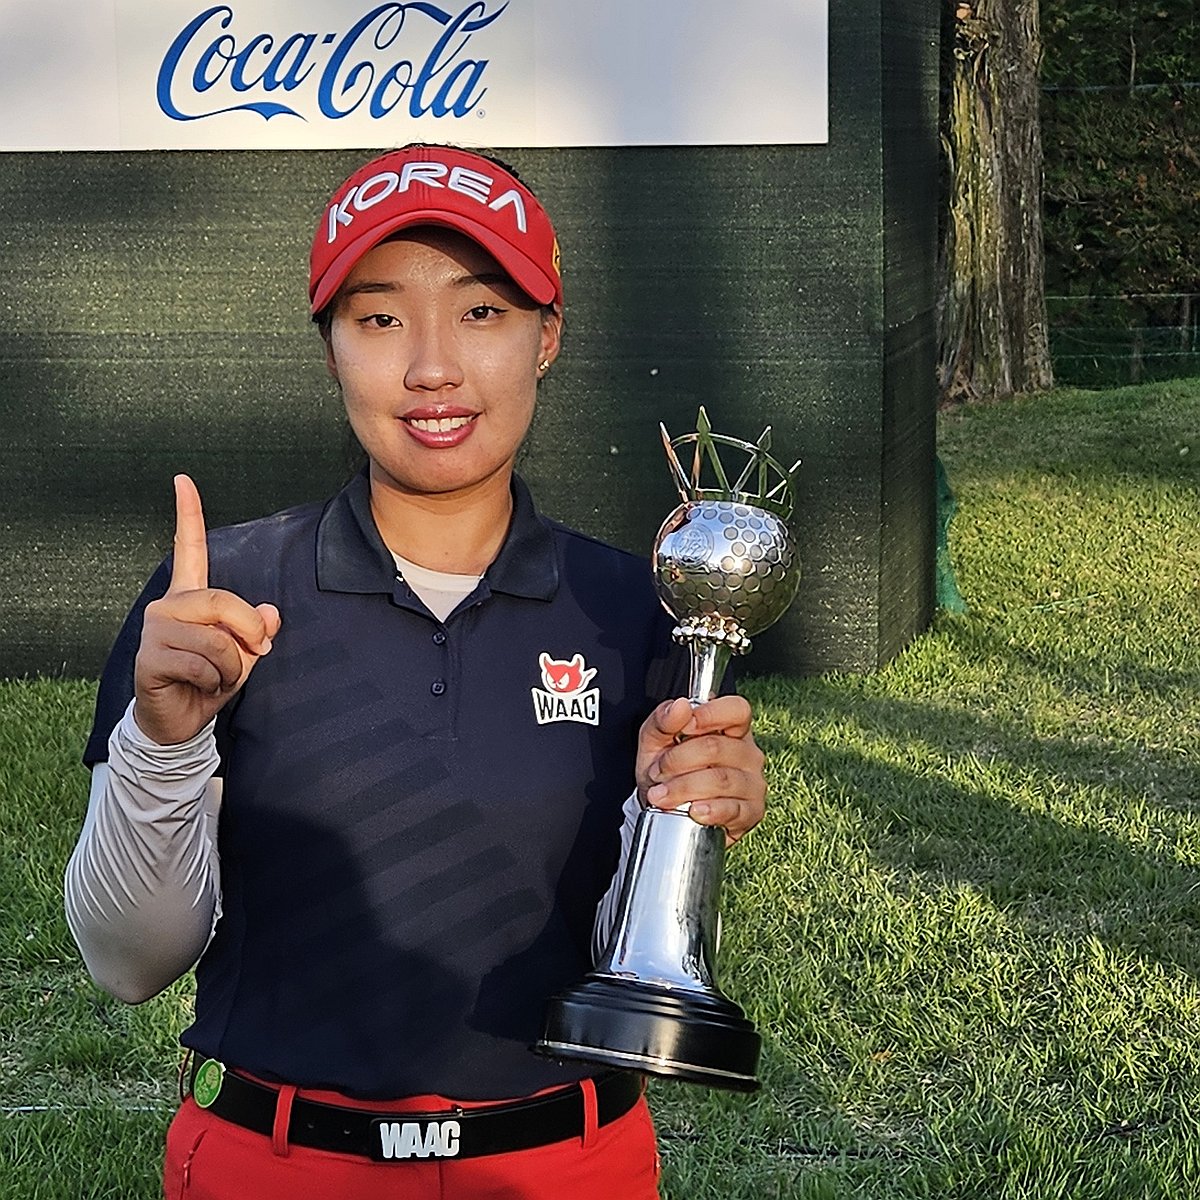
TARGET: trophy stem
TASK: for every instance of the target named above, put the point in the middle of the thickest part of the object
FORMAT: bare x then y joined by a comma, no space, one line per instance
709,661
665,927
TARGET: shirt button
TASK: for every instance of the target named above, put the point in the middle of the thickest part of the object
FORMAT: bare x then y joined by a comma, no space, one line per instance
439,638
437,687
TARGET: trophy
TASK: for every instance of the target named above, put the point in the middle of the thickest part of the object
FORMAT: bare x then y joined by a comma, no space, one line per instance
725,568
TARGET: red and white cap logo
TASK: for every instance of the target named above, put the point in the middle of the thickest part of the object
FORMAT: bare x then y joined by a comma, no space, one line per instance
436,185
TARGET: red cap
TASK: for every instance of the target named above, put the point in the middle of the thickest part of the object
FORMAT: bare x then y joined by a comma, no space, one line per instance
436,185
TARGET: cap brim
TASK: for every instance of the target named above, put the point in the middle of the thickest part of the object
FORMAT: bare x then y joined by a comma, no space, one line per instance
526,274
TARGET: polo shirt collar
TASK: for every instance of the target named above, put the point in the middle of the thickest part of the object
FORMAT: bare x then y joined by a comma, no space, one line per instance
352,557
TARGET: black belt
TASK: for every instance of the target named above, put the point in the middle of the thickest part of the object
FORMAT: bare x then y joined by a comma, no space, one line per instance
403,1136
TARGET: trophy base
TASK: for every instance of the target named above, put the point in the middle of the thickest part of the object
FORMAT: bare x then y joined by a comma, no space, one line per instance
659,1031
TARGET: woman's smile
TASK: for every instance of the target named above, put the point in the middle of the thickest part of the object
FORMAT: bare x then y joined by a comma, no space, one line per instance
440,428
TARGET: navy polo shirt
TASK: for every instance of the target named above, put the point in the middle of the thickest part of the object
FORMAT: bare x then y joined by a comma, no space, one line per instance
419,817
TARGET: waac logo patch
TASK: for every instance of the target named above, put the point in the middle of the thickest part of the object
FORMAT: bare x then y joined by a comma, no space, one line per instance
567,696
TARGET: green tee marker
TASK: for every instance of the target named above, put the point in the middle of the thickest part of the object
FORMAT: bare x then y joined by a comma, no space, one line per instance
207,1084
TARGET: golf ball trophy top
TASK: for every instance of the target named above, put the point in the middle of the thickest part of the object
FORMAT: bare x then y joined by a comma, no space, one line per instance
725,567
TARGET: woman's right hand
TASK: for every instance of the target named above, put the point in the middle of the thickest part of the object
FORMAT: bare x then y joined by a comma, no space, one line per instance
199,644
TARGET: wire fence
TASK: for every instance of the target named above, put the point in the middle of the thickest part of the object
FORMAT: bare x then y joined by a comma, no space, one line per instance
1106,341
1166,86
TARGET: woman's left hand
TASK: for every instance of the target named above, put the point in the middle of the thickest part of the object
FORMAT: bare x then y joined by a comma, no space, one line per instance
706,757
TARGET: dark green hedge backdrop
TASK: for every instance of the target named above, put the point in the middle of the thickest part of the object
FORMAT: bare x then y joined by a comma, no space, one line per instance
154,321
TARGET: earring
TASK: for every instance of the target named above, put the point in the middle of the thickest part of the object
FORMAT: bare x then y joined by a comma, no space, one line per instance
544,365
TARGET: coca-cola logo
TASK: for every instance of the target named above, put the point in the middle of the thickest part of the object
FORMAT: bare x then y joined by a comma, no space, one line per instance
411,57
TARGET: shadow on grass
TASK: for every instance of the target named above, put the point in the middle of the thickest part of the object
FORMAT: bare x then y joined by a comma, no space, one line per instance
1004,833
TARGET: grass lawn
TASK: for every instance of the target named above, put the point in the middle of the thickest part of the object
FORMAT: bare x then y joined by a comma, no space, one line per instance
969,928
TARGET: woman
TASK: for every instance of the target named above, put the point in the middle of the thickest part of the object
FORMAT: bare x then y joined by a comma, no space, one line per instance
317,768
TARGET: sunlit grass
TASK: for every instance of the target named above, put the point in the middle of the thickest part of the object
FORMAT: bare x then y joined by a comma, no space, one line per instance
969,929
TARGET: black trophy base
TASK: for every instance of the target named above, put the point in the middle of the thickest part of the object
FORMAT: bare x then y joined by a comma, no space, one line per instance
700,1038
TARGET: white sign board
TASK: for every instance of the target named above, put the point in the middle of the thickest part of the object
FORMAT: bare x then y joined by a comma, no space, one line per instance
296,74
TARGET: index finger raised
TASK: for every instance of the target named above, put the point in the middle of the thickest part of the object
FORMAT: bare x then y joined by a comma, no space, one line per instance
189,571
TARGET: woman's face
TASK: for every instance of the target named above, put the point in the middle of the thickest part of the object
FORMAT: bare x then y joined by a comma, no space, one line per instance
436,351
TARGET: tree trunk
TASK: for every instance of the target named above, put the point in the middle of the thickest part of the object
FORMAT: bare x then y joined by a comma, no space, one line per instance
993,311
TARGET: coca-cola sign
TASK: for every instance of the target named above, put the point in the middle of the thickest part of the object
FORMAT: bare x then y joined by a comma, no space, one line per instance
148,74
414,58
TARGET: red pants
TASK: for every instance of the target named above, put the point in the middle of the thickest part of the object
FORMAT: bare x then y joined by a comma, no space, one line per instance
211,1159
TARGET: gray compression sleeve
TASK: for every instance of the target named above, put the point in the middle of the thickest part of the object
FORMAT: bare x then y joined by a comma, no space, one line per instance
142,886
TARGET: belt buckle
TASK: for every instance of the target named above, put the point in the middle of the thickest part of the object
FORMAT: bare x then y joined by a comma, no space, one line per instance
410,1136
206,1082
